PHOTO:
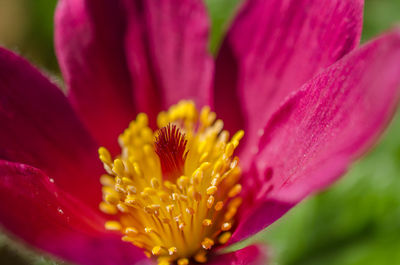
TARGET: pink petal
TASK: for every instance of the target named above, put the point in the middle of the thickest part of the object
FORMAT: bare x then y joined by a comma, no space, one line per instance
34,209
166,47
314,136
272,48
89,42
38,127
254,255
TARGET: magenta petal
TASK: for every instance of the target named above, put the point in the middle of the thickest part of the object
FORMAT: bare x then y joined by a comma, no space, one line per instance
89,41
34,209
39,128
166,46
311,140
272,48
251,255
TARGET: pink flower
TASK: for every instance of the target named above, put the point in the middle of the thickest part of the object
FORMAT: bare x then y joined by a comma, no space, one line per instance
287,73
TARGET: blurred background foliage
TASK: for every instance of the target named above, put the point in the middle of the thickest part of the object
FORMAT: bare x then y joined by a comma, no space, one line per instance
355,222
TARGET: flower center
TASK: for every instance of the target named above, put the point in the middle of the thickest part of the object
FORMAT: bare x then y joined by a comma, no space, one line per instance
173,190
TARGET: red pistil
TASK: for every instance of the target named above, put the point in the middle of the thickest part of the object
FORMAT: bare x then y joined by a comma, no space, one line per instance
170,146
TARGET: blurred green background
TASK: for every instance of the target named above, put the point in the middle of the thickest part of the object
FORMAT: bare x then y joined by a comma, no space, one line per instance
355,222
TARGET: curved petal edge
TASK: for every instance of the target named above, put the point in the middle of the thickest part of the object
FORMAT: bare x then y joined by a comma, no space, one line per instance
321,129
35,210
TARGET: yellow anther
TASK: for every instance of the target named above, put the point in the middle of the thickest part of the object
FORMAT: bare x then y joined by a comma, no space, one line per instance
172,250
168,185
156,250
234,163
226,226
152,209
111,198
145,196
148,230
183,198
108,190
136,167
148,150
230,213
210,202
224,237
203,157
131,189
211,118
200,257
207,243
162,119
131,199
131,231
128,239
127,181
216,180
149,191
238,136
235,203
182,182
207,222
235,190
155,207
217,167
147,135
113,225
201,147
235,143
170,208
118,168
197,176
218,206
155,183
123,208
136,243
190,210
211,190
205,166
108,208
142,119
230,148
205,112
104,155
183,261
175,196
118,180
218,125
107,180
163,196
120,188
193,193
223,137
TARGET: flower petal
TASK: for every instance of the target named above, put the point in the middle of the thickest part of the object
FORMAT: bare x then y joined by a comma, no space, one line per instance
32,208
272,48
311,140
254,255
166,47
89,40
38,127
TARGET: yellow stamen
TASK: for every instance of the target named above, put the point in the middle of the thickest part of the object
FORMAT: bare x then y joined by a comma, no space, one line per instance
224,237
113,225
175,189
